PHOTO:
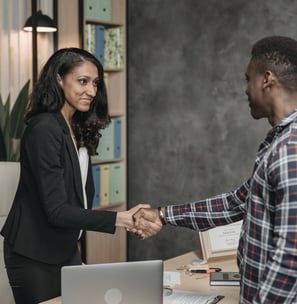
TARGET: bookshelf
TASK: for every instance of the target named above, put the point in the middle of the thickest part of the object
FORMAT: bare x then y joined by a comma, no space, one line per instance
102,31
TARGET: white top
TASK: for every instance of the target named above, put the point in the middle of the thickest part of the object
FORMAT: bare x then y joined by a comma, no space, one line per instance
83,158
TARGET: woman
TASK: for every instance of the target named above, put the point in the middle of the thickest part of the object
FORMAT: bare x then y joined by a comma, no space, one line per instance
67,108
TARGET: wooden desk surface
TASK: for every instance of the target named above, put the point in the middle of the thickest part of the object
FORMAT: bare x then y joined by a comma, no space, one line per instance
200,282
196,282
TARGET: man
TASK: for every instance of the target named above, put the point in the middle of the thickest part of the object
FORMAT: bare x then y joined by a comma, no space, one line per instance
267,202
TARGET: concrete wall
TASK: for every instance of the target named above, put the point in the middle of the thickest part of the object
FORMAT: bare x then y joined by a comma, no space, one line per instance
190,132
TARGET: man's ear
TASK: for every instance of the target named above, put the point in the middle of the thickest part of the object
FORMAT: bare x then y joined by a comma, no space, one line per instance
268,80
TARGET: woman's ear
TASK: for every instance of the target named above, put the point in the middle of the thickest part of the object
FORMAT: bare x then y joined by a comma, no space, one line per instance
59,80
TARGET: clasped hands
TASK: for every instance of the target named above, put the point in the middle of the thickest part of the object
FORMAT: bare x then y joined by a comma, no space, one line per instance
141,220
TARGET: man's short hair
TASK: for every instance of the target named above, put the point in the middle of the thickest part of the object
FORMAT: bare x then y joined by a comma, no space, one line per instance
277,54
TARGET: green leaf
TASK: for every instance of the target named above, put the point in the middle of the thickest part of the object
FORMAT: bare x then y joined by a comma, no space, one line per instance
17,124
4,112
5,127
3,156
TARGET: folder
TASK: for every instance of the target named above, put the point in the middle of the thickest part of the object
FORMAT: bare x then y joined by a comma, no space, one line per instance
104,185
99,43
99,10
117,137
96,179
116,183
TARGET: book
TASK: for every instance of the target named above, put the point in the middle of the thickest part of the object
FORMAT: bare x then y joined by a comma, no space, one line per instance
224,279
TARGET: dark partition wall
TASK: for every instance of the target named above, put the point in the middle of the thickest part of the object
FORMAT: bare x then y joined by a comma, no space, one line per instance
190,134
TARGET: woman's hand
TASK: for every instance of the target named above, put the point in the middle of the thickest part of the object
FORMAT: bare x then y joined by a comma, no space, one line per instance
125,218
139,222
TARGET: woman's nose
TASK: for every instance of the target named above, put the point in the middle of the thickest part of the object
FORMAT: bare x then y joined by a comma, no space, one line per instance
92,90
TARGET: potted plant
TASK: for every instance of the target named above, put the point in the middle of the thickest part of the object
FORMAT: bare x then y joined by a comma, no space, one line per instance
12,124
11,129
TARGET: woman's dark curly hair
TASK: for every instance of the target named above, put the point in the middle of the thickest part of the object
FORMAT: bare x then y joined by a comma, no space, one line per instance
48,96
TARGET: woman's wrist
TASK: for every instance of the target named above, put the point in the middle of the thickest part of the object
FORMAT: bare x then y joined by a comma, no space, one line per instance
124,219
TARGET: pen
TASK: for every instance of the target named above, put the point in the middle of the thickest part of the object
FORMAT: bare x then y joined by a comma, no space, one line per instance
206,270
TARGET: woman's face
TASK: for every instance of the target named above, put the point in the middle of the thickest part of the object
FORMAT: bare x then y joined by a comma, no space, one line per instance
80,86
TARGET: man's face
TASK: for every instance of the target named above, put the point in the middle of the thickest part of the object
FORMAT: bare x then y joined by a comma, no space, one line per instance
255,91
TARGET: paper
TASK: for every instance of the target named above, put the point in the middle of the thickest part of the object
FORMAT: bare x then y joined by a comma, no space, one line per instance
225,237
171,278
189,297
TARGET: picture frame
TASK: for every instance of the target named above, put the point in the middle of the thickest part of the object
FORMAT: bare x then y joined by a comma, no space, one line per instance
220,242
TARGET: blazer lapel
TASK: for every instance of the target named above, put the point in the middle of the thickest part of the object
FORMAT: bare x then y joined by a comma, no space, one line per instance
73,157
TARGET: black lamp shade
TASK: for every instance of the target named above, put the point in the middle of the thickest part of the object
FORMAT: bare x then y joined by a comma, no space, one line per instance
43,23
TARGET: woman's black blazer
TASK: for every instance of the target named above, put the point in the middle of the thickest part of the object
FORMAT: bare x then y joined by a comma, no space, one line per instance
48,210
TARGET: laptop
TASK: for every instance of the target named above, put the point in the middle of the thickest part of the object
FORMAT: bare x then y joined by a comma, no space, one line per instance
113,283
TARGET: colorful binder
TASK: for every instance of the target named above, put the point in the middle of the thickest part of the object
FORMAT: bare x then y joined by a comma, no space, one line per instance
99,10
113,48
99,42
105,148
116,183
90,38
96,179
117,138
104,185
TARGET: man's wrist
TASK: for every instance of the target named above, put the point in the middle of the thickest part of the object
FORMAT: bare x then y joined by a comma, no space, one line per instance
161,212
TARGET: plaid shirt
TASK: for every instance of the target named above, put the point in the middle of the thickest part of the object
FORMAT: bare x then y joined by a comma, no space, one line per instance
267,203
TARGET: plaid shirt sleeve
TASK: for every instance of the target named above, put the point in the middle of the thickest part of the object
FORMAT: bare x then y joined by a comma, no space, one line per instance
279,280
205,214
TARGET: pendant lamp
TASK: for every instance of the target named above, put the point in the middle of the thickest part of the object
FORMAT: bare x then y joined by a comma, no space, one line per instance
43,23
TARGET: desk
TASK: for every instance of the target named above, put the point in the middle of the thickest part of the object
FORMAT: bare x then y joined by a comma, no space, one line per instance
191,283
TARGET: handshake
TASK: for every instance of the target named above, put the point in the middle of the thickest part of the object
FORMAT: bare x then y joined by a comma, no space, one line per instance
141,220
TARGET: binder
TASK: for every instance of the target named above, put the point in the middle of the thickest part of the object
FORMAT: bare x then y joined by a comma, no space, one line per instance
99,43
90,38
116,183
104,185
113,48
117,137
96,179
105,148
98,10
106,82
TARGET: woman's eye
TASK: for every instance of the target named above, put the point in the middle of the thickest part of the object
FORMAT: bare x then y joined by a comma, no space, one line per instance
96,83
82,81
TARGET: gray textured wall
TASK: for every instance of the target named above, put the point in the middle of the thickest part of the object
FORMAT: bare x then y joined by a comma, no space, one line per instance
190,131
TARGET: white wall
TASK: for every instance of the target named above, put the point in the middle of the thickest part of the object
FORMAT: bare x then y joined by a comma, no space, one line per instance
16,45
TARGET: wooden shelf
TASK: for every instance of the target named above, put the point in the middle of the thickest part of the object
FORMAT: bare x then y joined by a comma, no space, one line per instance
102,247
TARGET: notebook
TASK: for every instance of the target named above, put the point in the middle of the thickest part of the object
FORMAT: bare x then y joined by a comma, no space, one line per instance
113,283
